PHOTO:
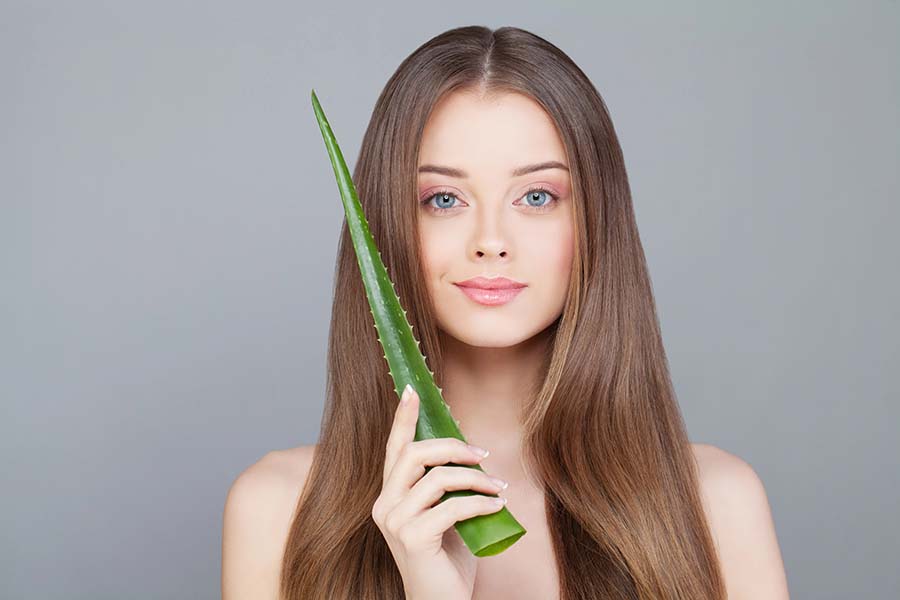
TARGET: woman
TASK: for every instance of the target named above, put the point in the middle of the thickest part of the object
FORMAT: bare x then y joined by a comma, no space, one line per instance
490,155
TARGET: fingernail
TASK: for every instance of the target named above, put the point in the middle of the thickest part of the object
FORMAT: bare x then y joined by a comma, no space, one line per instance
404,398
479,451
499,482
499,501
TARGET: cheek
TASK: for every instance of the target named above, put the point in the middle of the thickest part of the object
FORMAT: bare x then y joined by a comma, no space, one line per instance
557,254
566,251
435,252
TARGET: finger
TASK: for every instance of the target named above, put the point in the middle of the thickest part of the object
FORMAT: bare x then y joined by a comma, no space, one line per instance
437,520
411,465
431,488
403,429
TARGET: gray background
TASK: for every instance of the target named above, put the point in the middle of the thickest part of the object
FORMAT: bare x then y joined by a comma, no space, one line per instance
170,221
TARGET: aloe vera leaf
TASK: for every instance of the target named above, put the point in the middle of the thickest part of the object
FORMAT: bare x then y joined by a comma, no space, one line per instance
485,535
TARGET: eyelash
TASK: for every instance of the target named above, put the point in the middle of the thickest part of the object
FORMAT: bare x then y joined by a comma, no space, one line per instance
426,202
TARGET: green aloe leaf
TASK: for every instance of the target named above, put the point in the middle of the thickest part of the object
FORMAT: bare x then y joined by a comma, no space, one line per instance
485,535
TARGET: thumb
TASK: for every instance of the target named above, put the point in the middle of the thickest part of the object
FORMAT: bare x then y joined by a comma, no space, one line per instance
403,429
410,407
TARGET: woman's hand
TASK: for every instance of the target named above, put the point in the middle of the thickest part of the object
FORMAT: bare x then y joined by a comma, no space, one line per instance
434,562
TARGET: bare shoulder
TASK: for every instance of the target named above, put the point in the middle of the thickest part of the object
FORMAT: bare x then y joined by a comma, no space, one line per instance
741,523
259,509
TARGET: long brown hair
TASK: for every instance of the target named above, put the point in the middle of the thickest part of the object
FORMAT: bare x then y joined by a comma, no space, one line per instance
603,436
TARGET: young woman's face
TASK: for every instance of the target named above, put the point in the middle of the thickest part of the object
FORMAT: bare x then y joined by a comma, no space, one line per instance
483,220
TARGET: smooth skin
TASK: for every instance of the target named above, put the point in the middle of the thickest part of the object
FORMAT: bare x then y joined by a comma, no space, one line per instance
260,505
487,224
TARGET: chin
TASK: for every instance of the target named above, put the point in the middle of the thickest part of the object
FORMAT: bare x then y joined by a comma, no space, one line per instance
486,340
495,332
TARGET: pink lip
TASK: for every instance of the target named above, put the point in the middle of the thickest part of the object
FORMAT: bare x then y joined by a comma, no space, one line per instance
490,297
493,283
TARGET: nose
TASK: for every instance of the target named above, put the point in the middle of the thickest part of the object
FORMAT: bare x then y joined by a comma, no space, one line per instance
488,241
481,253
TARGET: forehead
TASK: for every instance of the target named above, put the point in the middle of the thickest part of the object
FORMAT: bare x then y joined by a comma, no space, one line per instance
478,134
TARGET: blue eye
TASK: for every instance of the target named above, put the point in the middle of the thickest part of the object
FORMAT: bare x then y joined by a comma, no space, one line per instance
533,193
446,197
442,196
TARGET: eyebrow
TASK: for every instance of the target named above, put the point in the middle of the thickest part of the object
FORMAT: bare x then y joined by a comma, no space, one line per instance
460,174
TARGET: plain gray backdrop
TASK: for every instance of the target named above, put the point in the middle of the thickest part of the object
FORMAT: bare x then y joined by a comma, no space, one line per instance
170,221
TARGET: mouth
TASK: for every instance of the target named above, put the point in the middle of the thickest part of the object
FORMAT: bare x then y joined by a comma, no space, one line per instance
490,297
491,283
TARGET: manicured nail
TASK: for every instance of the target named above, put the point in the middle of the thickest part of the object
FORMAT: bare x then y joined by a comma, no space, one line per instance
479,451
499,482
499,501
404,398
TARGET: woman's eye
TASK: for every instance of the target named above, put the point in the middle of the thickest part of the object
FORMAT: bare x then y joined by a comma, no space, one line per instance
535,195
444,201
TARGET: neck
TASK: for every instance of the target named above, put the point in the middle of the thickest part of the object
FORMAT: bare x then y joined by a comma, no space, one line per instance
486,389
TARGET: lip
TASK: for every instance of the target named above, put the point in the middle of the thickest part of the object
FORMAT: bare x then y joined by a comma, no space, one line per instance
490,297
490,292
492,283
